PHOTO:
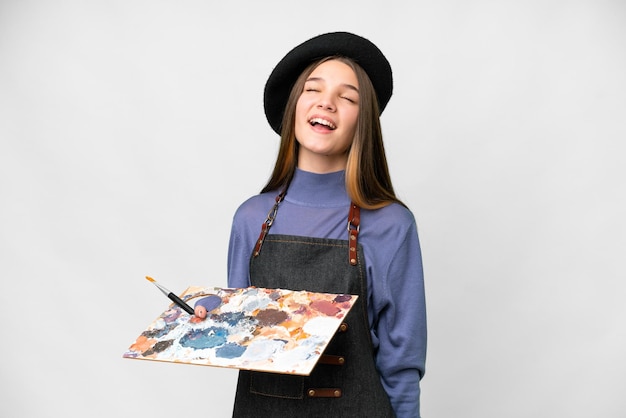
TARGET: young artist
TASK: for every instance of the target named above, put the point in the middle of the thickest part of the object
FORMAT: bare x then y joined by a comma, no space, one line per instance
333,224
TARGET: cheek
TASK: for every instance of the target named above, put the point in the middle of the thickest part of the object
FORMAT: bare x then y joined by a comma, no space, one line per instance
353,119
298,123
299,110
301,116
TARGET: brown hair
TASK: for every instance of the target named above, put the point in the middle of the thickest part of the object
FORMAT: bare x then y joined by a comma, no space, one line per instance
367,176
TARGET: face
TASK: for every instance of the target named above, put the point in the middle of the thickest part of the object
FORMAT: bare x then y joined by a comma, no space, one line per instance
326,117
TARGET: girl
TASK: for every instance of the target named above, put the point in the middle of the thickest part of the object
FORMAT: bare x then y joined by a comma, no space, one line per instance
336,226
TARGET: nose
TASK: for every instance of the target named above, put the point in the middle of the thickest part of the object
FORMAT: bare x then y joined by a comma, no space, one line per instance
327,103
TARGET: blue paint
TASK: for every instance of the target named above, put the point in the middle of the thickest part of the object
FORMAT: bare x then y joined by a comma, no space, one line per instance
230,350
204,338
234,319
210,302
255,299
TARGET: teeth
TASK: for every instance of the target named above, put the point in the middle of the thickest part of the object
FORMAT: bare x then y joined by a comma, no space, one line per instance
321,121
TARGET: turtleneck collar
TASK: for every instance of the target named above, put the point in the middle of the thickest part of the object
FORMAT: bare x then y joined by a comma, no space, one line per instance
318,190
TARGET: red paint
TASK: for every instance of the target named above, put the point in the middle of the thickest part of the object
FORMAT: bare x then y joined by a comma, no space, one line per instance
326,307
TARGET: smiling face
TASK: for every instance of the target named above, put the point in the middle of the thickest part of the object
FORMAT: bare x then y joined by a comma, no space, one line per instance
326,117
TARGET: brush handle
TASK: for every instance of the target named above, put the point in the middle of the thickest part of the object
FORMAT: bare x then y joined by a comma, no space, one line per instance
181,303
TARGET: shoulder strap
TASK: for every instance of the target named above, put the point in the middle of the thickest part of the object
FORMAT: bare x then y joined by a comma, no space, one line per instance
354,221
265,228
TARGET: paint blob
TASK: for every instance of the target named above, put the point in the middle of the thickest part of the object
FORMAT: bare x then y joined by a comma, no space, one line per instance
230,351
342,298
326,307
210,302
204,338
271,317
261,350
159,347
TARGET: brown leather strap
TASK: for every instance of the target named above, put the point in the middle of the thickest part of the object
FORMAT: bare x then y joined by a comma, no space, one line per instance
354,219
265,228
332,360
324,393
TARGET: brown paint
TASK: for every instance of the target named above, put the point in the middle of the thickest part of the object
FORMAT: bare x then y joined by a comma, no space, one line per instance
271,317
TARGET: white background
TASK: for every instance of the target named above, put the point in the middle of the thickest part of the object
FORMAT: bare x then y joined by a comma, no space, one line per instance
131,130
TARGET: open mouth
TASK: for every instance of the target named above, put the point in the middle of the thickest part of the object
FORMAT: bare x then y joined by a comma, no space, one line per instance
322,122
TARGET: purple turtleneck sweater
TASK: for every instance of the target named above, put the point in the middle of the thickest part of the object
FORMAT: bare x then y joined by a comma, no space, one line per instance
317,205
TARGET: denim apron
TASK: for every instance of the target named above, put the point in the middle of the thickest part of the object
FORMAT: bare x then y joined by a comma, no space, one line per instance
345,382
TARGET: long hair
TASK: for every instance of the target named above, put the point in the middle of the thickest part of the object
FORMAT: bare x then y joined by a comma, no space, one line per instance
368,182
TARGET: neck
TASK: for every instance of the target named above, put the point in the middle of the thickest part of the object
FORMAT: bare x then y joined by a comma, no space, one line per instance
321,164
318,190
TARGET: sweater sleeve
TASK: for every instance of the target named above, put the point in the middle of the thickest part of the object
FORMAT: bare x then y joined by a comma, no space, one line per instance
244,233
238,260
401,327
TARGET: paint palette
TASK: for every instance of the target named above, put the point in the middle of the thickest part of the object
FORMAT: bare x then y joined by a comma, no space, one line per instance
271,330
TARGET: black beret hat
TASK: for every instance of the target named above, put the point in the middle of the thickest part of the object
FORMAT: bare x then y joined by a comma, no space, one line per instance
345,44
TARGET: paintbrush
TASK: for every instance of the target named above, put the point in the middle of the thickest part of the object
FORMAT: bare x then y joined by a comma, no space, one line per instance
172,296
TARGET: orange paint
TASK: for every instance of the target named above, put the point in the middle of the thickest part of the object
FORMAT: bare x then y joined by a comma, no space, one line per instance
142,344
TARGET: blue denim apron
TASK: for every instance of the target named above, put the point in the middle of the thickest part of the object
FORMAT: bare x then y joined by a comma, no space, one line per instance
345,382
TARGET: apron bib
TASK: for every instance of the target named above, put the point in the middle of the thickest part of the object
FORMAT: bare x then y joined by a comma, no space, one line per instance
345,382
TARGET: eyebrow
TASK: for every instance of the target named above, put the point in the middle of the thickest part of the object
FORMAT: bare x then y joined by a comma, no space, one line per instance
347,85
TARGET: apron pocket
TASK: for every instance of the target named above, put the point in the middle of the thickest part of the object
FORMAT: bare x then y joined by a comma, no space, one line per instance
277,385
